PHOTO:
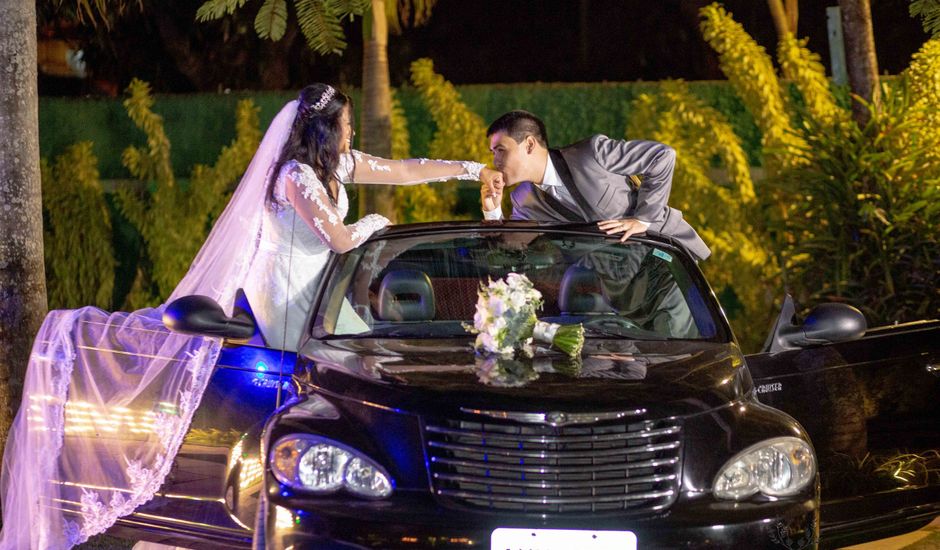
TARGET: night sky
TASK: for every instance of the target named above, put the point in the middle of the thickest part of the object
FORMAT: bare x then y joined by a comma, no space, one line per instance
478,41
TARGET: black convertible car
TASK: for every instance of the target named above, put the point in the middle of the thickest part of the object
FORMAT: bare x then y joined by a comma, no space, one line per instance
385,430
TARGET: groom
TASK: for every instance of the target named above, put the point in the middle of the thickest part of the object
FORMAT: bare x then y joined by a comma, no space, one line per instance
597,179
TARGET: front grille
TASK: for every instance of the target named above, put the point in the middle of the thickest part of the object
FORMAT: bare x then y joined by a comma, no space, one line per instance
606,466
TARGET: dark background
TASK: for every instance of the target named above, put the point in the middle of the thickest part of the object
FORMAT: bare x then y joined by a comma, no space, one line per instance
470,41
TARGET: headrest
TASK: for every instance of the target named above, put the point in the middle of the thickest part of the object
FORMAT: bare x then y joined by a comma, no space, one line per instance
406,295
581,292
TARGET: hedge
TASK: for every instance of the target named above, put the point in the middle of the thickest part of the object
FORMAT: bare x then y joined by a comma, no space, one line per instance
199,125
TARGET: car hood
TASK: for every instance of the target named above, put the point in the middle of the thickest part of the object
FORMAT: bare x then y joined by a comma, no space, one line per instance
668,378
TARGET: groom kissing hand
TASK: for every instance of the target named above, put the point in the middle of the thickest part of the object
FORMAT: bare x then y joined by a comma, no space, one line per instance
622,185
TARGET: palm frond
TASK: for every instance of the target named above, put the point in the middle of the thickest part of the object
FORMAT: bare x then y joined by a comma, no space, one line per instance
216,9
929,12
271,21
320,25
345,8
407,13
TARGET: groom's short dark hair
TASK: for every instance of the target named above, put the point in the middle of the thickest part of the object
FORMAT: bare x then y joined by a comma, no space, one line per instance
518,124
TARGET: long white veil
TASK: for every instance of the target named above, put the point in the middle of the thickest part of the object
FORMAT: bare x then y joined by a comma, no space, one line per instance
108,397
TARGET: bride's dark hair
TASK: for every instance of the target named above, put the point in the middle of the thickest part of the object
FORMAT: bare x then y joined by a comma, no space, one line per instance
315,135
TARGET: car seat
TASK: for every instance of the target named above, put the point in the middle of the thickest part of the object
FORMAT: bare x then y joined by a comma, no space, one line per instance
406,295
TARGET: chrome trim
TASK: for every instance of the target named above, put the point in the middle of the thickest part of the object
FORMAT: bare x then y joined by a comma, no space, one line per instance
555,418
591,453
544,484
496,497
539,469
508,436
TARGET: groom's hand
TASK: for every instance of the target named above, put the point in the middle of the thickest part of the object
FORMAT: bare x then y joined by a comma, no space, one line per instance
629,226
491,192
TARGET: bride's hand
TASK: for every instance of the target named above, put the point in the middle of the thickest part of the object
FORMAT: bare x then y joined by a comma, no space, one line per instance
491,192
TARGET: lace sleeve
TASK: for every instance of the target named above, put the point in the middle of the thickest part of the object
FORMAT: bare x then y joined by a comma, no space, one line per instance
370,169
309,198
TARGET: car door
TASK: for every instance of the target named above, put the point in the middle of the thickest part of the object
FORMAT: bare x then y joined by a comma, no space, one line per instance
248,383
871,407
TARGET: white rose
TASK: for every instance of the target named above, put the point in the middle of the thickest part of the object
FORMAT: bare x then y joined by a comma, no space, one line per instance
497,307
517,299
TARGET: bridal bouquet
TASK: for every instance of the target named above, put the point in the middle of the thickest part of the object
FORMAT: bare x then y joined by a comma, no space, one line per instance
505,320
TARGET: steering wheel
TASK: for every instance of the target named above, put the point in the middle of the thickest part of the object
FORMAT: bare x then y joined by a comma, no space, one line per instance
614,320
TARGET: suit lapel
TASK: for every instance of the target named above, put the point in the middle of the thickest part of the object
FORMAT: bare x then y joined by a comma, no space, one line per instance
557,206
561,166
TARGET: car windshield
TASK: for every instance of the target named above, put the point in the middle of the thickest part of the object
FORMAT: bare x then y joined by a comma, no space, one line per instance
426,286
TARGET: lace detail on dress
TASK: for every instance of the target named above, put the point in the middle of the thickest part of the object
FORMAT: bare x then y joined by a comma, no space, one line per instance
375,166
311,188
405,172
144,482
61,355
364,228
471,168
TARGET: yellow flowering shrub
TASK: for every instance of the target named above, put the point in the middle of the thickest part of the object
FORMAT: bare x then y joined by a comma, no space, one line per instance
460,134
855,213
923,77
174,219
801,66
751,73
415,203
726,216
77,231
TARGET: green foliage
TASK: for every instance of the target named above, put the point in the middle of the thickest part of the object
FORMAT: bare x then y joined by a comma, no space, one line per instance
413,203
751,73
856,208
929,11
77,233
198,125
802,67
172,219
461,134
320,21
407,13
216,9
867,207
724,214
271,21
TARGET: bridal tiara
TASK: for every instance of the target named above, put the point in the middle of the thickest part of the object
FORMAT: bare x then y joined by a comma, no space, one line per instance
308,110
325,98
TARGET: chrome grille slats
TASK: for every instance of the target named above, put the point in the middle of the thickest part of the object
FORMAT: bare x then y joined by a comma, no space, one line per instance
630,465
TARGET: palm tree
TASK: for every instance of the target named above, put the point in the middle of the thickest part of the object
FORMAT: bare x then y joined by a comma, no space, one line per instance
320,21
22,276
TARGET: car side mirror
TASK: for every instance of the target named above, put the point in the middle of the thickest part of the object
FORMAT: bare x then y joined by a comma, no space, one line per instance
201,315
826,324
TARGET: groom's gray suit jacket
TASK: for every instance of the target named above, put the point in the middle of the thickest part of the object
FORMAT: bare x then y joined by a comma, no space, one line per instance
601,175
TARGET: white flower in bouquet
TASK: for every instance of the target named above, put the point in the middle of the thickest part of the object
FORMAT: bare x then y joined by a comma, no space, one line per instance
505,320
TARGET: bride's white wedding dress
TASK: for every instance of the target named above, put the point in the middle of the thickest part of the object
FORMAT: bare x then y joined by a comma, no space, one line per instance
108,397
294,247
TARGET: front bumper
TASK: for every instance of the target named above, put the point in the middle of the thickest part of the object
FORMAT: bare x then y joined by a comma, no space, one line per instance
417,522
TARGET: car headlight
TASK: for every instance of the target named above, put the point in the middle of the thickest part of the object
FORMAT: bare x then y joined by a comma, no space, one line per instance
319,465
776,467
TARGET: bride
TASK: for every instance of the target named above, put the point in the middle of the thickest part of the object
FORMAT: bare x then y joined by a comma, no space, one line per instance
108,397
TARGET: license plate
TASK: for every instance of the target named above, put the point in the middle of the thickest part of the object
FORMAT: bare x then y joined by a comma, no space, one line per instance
561,539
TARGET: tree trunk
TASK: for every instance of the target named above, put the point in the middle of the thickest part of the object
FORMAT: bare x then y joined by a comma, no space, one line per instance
376,127
22,276
785,17
860,57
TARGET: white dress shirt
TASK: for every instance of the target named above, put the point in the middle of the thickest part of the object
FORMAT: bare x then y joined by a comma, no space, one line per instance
551,184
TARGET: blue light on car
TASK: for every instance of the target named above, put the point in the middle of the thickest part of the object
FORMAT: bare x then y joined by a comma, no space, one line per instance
262,368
